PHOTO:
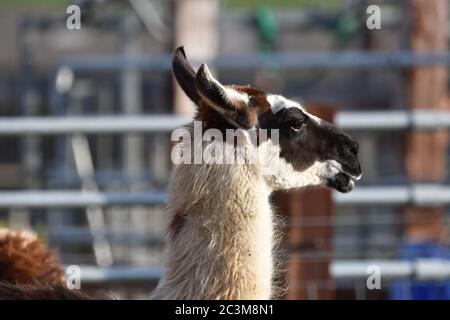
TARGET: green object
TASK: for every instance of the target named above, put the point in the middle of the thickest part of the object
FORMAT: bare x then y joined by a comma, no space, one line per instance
283,4
268,28
346,26
33,3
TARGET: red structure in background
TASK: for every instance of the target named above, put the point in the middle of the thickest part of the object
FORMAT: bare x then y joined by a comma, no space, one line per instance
427,88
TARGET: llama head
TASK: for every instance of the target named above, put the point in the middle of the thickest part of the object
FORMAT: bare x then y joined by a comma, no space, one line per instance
309,150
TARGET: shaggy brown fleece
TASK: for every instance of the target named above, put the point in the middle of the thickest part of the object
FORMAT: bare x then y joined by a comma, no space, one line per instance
25,259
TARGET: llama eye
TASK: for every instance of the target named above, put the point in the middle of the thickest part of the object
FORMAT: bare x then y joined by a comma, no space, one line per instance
297,127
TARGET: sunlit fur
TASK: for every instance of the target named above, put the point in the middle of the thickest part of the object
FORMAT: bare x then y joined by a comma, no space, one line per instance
224,250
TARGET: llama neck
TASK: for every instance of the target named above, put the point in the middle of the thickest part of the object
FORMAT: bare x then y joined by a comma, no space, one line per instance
221,245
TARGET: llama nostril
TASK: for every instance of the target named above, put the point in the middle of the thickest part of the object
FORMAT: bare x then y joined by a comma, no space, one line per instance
354,148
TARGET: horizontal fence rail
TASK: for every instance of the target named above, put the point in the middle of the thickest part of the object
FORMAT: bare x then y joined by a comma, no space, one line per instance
341,59
86,236
420,269
392,120
347,120
93,275
77,199
416,194
94,125
419,194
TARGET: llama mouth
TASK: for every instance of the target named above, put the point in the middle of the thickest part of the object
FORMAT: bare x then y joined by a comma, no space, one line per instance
342,182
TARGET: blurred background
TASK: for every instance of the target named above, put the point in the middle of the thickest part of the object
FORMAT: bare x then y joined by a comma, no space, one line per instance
86,116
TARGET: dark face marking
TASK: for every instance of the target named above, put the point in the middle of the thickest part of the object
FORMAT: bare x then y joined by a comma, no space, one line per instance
293,134
333,144
304,141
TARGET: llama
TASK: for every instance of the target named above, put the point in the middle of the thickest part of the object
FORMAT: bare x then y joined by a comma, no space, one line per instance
30,271
220,238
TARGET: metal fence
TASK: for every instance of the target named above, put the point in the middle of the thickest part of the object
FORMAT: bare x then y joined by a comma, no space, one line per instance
354,120
421,194
358,120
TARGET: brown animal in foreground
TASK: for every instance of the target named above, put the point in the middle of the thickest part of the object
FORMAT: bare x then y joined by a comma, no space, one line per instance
39,291
24,259
30,271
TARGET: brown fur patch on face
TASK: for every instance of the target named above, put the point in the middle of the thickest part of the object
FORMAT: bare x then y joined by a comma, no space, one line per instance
24,259
260,102
257,97
245,118
245,115
176,224
211,118
250,91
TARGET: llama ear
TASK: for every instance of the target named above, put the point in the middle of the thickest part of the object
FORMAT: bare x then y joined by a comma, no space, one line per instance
230,103
213,91
184,74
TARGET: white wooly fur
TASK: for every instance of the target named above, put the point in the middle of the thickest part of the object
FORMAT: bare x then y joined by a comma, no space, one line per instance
278,103
234,95
280,174
224,249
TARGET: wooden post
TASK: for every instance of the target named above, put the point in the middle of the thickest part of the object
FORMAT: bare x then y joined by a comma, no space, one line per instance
196,28
427,88
309,246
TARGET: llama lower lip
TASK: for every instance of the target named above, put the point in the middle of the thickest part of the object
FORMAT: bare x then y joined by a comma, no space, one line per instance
341,182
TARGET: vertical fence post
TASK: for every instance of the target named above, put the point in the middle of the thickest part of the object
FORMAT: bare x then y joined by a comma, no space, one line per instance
196,28
425,157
